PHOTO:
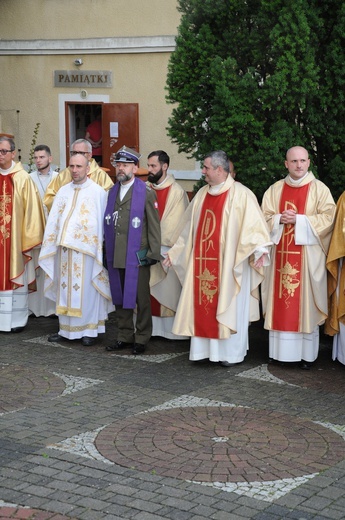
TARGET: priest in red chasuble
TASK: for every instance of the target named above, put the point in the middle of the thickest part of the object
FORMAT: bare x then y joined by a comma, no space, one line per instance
172,203
21,230
299,211
219,258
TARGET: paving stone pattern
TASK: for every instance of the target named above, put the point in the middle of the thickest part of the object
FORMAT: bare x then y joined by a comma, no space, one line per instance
87,434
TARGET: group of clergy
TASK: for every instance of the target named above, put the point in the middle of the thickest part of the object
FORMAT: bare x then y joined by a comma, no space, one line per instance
205,263
230,246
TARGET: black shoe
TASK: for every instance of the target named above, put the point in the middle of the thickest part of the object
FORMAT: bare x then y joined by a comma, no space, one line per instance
305,365
276,362
86,341
138,349
56,338
119,345
17,329
227,364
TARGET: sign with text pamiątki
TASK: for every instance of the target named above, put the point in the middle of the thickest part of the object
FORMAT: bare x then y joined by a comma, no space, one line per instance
83,78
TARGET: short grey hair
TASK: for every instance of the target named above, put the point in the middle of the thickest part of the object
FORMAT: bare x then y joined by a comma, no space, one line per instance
83,141
219,158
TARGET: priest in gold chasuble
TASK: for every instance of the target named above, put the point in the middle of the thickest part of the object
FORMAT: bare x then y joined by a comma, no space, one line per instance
21,230
218,258
335,323
299,211
96,173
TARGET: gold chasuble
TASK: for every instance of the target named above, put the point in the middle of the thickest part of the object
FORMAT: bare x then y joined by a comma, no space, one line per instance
6,197
206,266
288,265
336,273
21,229
164,285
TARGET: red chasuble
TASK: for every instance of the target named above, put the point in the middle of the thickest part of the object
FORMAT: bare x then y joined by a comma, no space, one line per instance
288,265
207,252
6,198
162,196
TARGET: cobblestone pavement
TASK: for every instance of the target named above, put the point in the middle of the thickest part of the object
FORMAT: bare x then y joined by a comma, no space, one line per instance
92,435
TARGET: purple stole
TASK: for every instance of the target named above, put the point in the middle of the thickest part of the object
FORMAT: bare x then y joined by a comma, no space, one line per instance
128,297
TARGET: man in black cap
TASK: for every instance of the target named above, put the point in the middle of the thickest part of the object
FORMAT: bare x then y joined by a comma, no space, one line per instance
132,243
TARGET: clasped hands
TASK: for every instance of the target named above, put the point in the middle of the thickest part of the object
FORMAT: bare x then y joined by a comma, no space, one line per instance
288,216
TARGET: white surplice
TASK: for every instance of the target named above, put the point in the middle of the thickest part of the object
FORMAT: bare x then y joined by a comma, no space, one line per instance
71,256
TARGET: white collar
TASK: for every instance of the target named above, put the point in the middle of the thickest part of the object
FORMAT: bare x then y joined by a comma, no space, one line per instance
297,181
5,172
217,188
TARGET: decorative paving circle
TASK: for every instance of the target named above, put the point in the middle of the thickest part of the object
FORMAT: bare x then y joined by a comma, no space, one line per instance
21,386
9,512
220,444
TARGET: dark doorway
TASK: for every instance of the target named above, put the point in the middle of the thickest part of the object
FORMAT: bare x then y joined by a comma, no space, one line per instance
120,126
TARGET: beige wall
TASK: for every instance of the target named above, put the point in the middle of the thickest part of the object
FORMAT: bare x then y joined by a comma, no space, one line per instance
52,19
138,77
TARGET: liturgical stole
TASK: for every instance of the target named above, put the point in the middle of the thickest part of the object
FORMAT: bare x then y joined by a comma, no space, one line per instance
6,201
127,295
289,265
207,252
162,196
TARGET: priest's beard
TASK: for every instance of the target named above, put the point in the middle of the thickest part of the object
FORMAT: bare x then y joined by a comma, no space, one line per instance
154,177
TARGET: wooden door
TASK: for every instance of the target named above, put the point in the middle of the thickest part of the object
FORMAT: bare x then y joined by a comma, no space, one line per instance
120,126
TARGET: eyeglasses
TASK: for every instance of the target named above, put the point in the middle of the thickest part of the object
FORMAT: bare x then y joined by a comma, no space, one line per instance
4,152
74,152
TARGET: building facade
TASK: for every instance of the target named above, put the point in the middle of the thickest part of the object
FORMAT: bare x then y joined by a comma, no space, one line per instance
63,60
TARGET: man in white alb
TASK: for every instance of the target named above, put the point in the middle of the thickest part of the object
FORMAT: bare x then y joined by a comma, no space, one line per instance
39,305
72,257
